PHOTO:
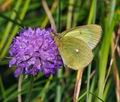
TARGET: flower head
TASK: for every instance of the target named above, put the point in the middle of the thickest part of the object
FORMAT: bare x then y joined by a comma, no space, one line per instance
33,51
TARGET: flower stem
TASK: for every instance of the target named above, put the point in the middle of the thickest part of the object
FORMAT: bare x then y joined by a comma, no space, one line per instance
59,88
59,74
20,88
77,85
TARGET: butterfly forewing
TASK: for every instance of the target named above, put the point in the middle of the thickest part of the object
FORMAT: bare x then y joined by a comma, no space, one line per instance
90,34
75,53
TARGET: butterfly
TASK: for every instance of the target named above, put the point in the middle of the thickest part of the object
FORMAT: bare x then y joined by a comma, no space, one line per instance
76,45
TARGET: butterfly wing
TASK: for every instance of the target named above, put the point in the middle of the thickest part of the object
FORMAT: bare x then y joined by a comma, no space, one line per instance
75,53
90,34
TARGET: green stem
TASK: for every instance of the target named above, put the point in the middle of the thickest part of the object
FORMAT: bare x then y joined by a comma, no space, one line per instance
83,95
76,14
101,100
28,98
88,82
20,88
92,89
59,74
58,91
58,16
70,14
92,15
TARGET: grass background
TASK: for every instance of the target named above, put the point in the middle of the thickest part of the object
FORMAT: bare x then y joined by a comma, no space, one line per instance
100,80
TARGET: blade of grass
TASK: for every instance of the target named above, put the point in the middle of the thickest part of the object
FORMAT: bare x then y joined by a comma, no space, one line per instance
45,89
101,100
70,14
13,90
9,19
107,90
115,66
88,82
105,48
112,59
2,89
10,24
83,95
76,14
50,17
22,15
28,98
89,99
92,14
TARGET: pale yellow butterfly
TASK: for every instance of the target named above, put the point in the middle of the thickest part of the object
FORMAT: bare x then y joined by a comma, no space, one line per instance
75,45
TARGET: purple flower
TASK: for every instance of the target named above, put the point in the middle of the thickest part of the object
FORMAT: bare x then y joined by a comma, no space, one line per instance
33,51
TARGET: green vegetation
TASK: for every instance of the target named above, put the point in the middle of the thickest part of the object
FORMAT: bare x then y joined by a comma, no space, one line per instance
100,81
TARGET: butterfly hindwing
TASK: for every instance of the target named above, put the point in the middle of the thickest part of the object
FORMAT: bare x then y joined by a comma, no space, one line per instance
75,53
